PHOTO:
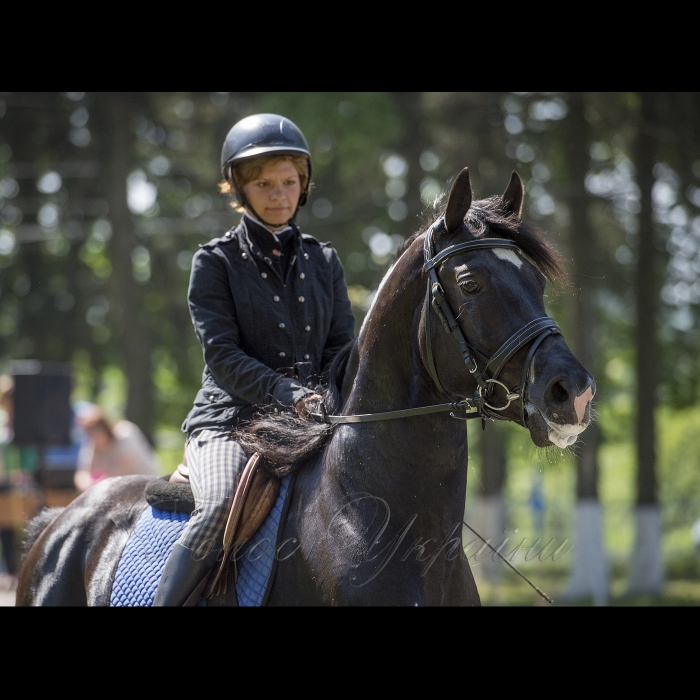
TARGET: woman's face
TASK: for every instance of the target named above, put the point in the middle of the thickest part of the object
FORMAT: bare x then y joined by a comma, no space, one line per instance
275,193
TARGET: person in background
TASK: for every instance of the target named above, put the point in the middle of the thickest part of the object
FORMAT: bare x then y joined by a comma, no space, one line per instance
112,450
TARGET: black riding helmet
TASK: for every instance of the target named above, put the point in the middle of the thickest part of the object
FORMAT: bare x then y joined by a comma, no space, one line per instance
263,134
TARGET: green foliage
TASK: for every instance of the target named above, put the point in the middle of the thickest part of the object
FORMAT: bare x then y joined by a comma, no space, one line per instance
679,464
80,284
554,471
111,393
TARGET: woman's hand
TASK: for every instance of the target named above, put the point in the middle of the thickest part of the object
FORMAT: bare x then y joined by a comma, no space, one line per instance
302,407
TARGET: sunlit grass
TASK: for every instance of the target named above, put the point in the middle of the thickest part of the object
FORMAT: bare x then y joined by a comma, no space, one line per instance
678,473
511,590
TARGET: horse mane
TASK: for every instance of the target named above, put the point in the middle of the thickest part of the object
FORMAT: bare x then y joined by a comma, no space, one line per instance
287,441
487,217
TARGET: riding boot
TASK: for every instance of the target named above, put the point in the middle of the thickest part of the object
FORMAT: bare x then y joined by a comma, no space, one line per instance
181,574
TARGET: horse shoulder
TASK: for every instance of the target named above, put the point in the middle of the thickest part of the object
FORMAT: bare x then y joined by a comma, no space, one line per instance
296,578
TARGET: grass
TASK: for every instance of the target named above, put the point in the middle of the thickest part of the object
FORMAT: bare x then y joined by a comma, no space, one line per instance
510,590
553,475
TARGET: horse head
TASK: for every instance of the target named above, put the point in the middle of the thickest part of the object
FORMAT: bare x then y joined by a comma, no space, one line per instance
487,274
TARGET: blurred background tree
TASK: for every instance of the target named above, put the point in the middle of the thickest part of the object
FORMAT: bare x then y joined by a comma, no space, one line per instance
104,198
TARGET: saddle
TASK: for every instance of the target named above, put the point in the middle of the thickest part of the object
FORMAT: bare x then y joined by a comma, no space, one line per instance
255,495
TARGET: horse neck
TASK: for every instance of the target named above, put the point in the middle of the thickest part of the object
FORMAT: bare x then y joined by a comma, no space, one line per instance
397,459
388,372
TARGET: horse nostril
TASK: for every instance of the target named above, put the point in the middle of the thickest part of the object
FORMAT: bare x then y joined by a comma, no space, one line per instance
559,393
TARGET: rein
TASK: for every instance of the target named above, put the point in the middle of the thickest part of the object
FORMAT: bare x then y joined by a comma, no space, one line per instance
476,407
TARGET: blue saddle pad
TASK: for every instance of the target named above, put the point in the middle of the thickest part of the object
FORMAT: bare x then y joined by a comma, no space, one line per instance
154,537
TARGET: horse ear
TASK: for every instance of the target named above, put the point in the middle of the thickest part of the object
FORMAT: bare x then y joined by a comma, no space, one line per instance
459,201
514,195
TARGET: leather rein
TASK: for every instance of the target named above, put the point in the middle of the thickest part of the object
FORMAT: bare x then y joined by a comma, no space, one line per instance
478,406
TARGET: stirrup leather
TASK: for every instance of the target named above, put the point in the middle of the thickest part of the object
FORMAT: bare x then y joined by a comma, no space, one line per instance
253,500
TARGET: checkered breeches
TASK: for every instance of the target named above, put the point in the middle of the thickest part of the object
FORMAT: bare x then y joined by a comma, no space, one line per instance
215,461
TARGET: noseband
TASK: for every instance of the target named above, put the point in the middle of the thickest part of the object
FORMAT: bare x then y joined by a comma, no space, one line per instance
478,406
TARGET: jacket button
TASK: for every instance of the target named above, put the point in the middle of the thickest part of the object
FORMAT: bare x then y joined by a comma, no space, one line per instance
283,354
275,298
306,256
301,300
306,357
281,325
244,256
302,276
212,398
307,328
263,275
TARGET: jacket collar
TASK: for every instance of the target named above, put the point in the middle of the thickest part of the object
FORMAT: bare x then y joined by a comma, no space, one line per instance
255,246
263,240
251,221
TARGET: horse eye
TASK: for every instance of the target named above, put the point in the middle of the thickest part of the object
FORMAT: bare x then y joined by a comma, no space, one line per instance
469,287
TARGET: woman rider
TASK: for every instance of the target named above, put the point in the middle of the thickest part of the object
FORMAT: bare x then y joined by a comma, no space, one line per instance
270,308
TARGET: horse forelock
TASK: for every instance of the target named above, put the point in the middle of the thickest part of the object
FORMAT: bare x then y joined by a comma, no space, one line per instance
486,217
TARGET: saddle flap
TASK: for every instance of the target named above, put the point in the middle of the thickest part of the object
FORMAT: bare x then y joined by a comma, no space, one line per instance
252,502
263,493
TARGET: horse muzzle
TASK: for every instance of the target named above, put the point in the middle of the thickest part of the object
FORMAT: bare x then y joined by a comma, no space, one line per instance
560,413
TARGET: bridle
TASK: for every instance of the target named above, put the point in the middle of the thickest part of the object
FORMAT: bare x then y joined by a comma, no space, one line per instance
538,328
478,406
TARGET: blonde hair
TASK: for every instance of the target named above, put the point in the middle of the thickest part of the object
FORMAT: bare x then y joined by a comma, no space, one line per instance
248,170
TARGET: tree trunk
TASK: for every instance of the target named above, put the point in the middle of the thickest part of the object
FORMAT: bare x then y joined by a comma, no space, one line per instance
411,146
646,574
488,517
134,337
589,572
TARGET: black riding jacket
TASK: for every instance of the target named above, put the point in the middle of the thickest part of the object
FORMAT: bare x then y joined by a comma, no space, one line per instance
266,334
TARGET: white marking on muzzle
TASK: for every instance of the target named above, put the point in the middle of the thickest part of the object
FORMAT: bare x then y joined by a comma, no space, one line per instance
559,434
581,402
564,435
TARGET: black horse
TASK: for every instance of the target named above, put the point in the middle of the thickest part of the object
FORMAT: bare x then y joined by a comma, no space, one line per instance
457,329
